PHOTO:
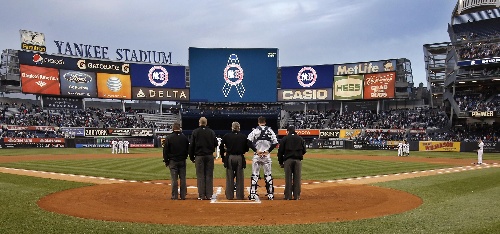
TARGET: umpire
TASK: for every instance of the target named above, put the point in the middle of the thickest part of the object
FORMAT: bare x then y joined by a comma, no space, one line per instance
233,147
201,152
175,153
290,154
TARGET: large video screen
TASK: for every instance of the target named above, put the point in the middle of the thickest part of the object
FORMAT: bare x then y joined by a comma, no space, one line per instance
233,75
307,77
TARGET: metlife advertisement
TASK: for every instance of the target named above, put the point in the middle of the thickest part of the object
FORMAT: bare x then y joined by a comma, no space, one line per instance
233,75
156,76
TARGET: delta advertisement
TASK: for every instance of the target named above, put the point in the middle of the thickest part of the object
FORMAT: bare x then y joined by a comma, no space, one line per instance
233,75
439,146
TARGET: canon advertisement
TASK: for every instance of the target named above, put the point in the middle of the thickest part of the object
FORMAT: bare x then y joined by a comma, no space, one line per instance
233,74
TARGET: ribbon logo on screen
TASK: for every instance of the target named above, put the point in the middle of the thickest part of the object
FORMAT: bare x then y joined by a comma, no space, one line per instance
233,75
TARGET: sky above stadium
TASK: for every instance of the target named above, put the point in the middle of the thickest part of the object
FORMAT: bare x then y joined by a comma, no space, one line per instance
305,32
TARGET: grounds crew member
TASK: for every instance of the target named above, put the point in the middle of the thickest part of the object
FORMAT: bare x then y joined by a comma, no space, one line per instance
290,154
233,147
175,153
263,141
201,152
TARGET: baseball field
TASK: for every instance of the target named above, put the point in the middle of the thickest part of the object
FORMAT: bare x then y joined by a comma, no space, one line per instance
343,191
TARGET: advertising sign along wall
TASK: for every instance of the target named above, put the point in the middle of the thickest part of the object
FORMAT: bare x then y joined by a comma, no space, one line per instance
300,95
39,80
365,67
379,85
113,86
78,84
161,94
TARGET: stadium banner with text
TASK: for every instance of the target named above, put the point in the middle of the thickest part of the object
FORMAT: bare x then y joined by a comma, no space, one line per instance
482,61
78,83
142,145
39,80
10,142
483,114
29,128
301,95
73,131
328,144
359,106
233,74
93,146
329,133
33,140
348,87
54,102
349,133
489,147
160,94
113,86
32,41
439,146
156,76
307,77
141,132
379,85
300,132
364,67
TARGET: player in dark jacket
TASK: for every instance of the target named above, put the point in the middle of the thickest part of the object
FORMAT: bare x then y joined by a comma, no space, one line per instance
201,152
233,147
175,153
290,154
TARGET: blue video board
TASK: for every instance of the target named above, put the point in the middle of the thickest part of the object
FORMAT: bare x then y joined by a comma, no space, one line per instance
156,76
233,75
307,77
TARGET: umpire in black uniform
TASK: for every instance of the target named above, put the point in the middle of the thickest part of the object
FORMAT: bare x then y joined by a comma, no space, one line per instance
175,153
290,154
233,147
201,152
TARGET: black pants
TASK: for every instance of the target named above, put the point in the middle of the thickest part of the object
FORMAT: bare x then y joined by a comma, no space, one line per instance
178,171
293,174
205,176
235,169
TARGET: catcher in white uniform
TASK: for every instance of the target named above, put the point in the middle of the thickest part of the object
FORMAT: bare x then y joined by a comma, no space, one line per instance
263,141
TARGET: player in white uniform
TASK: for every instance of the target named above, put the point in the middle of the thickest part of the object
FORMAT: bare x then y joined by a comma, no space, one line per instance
406,148
219,140
120,146
114,146
480,148
125,146
400,149
263,142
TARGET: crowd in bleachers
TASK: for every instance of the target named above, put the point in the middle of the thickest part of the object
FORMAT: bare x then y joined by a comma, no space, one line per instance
479,50
477,102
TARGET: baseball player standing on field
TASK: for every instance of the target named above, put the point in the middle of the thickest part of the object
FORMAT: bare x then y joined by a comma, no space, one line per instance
400,149
233,147
120,146
125,146
290,154
263,141
406,148
201,152
114,146
175,153
480,148
218,147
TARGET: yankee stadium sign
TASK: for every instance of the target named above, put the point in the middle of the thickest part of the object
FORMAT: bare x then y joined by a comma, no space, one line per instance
101,52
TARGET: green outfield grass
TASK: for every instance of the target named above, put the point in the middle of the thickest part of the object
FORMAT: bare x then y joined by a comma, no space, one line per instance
465,202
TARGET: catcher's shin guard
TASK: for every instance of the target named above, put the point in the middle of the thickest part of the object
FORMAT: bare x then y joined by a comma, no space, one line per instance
269,187
253,187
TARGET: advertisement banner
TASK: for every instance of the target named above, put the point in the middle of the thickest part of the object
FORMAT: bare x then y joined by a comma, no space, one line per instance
482,114
233,75
15,140
379,85
113,86
439,146
39,80
349,133
155,76
142,145
78,84
101,66
93,132
301,95
348,87
327,144
141,132
28,128
119,131
32,41
45,60
93,146
364,67
78,132
359,106
475,62
51,102
307,77
160,94
300,132
327,133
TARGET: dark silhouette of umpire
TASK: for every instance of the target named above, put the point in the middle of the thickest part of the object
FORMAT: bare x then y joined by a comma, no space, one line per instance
233,147
175,153
201,152
290,154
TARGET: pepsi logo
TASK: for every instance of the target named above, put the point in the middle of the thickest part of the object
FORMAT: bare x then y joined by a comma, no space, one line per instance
77,77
